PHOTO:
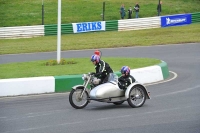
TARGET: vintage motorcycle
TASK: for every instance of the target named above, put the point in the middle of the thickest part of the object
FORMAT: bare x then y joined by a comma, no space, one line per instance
109,92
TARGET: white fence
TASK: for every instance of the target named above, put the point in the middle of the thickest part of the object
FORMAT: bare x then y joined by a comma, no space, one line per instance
139,23
22,31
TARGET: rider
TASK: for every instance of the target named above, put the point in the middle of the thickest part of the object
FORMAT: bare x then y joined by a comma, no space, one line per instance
126,79
102,68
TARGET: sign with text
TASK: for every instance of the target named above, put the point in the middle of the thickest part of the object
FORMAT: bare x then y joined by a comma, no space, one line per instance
88,26
175,20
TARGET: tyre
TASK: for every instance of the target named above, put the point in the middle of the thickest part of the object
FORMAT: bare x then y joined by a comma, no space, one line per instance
118,103
76,100
137,96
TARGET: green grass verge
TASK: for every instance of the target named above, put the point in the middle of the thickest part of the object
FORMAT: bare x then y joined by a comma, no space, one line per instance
158,36
29,12
38,68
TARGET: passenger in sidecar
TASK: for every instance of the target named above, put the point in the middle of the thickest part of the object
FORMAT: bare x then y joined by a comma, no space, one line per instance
126,79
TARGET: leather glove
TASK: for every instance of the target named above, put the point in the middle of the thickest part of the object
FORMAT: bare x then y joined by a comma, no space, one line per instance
97,74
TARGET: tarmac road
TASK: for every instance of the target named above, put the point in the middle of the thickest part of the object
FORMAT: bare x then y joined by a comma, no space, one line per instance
174,107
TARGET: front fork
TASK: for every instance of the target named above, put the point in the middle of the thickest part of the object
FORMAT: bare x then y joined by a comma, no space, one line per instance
85,86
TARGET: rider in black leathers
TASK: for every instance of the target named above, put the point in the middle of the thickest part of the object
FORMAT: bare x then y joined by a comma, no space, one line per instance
126,79
102,68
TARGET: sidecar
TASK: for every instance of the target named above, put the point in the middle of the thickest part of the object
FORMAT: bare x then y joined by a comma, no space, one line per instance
136,94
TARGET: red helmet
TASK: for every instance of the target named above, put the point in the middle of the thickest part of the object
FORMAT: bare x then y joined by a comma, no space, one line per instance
97,52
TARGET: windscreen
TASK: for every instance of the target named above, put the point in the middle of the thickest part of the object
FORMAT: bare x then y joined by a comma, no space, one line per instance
113,78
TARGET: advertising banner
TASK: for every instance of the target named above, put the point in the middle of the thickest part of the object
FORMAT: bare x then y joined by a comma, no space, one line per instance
175,20
88,26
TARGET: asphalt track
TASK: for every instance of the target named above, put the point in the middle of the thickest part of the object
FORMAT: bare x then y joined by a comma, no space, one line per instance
174,107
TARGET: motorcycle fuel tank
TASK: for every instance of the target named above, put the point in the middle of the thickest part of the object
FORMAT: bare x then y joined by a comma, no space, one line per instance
106,90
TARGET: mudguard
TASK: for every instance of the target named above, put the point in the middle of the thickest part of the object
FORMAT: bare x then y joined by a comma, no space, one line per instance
135,84
78,86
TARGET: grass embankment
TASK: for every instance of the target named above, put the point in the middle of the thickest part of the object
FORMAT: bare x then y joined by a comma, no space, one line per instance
171,35
83,65
29,12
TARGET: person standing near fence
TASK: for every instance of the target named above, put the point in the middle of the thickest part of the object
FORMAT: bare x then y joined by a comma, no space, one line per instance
159,8
130,12
122,11
137,8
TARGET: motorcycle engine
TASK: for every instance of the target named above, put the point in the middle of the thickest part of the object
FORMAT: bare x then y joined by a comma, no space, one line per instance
96,81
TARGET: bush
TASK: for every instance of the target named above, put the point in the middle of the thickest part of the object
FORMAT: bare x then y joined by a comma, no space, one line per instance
62,62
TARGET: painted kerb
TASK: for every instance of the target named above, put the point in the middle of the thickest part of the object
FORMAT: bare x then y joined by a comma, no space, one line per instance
25,86
66,82
165,70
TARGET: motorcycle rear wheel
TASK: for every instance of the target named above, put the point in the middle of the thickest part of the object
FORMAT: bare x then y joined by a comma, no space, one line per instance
137,96
76,101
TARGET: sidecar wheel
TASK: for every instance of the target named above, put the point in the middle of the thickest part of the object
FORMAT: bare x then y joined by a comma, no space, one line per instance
118,103
76,101
137,96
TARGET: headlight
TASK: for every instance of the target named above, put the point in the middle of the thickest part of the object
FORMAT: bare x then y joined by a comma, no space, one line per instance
84,77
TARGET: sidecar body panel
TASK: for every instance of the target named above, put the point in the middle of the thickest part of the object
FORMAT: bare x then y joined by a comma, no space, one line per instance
106,90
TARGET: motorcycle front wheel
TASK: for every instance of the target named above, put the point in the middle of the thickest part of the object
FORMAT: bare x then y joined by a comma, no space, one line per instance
76,100
137,96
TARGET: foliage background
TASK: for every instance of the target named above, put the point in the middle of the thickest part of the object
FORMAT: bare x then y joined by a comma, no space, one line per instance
29,12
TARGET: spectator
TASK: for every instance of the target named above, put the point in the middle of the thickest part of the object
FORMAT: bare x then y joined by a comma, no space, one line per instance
159,8
122,11
130,12
137,8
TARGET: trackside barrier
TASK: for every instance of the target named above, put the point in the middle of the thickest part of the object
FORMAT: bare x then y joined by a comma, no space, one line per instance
24,86
114,25
22,31
65,83
138,24
37,85
196,17
165,70
68,28
52,29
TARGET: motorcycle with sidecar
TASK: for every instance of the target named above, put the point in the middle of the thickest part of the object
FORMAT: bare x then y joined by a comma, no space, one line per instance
109,92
